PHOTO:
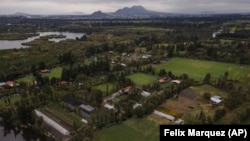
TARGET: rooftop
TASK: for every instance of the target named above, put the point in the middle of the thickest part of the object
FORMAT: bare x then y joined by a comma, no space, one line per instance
87,108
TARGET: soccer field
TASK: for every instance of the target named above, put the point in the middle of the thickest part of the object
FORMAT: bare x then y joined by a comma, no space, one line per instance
197,69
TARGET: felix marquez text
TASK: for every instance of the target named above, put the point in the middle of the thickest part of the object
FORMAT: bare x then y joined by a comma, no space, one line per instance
197,133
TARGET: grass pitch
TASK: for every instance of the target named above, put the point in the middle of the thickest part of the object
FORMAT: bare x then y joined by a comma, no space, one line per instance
197,69
141,79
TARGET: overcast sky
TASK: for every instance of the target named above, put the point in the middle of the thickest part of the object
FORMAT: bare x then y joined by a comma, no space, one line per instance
89,6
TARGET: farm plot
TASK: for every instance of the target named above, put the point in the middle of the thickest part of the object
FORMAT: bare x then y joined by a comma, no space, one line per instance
179,106
190,103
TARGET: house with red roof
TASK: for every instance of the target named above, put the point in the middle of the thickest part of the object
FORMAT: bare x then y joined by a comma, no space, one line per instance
127,90
163,79
10,83
44,71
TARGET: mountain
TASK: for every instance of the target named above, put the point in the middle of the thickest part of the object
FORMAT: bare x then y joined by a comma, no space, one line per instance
99,14
135,10
138,12
130,12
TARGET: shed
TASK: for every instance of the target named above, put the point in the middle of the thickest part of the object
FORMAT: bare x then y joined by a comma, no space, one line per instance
87,108
169,117
145,93
108,106
216,99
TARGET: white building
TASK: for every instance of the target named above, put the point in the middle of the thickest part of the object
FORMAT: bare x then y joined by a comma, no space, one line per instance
161,114
145,94
216,99
108,106
52,123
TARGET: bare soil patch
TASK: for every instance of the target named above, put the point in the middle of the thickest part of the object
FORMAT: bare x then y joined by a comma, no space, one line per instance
183,104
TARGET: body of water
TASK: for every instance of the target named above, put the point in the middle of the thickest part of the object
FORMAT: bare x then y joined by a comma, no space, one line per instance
6,44
10,135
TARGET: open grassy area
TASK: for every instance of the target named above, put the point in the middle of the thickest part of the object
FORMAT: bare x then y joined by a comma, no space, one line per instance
103,88
55,72
142,79
26,79
197,69
145,28
130,130
208,89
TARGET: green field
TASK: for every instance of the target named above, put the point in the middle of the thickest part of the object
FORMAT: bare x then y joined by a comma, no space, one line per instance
197,69
130,130
208,89
142,79
103,88
56,72
26,79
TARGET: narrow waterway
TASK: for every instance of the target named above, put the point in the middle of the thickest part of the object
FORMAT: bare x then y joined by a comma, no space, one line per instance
6,44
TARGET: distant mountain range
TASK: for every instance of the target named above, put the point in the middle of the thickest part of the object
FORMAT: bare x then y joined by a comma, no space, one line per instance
134,12
131,12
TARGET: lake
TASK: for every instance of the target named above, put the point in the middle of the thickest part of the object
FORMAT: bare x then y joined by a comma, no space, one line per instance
10,136
6,44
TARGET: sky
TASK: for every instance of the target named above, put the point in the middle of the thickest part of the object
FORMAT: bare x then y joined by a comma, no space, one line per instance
89,6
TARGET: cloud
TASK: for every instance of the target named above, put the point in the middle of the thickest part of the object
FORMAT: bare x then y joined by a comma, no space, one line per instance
89,6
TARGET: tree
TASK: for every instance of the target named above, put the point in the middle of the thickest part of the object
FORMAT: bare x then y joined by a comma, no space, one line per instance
41,66
206,96
162,72
206,79
219,113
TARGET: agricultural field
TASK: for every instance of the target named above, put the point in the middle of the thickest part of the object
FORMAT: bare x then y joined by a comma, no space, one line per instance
197,69
130,130
141,79
189,103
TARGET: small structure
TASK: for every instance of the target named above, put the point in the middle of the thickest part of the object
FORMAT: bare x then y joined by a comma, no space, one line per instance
136,105
163,79
145,94
10,83
179,121
146,56
124,54
108,106
2,84
216,99
176,81
127,90
122,64
70,102
169,117
86,110
44,71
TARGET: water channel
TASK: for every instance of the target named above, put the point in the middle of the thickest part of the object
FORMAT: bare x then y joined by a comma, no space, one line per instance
11,44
